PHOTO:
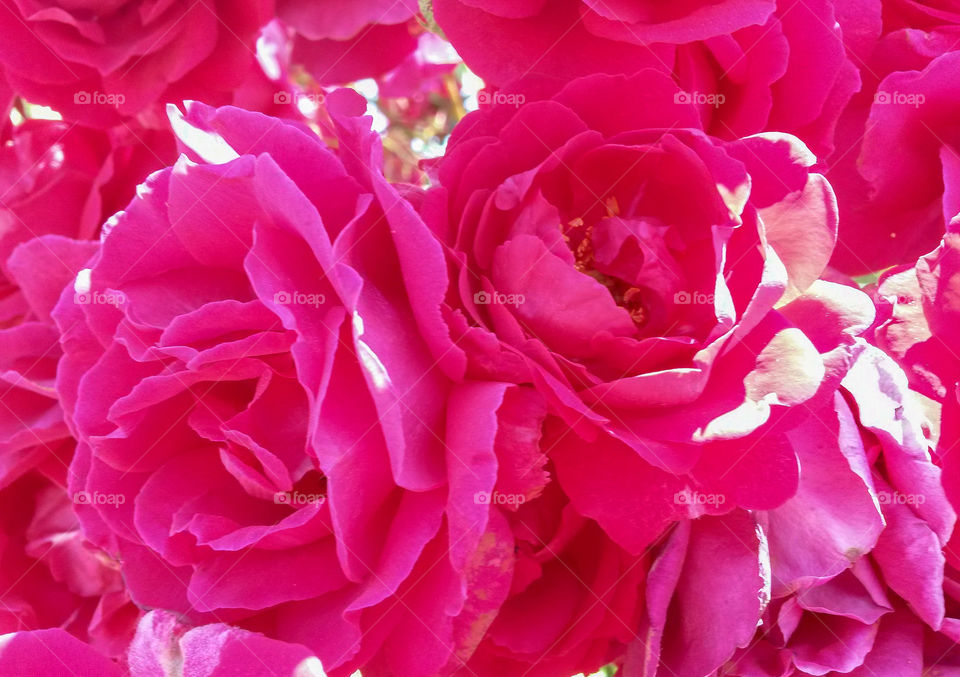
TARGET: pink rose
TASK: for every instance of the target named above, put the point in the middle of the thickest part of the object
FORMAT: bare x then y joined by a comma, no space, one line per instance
50,575
67,179
422,74
32,428
920,311
339,41
272,420
269,87
164,646
96,64
53,652
53,577
653,285
852,591
895,168
749,66
919,308
57,180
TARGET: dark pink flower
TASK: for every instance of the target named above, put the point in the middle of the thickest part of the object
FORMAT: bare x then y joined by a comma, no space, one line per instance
920,311
51,577
852,591
58,181
95,62
751,66
67,179
339,41
895,164
422,73
53,652
269,87
32,428
164,646
421,101
655,286
264,388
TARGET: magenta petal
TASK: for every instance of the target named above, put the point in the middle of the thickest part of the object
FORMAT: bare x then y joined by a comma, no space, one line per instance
162,646
471,464
643,656
52,652
898,649
824,643
632,500
59,257
834,484
720,596
911,561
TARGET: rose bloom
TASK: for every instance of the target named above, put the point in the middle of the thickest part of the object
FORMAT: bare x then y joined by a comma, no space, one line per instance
339,41
66,179
95,62
59,181
919,309
860,590
750,66
264,376
655,286
895,167
51,577
163,646
32,429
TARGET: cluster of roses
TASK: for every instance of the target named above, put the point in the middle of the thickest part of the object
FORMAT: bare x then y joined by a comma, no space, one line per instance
604,392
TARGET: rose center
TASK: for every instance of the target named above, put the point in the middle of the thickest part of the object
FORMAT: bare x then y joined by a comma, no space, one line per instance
579,237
